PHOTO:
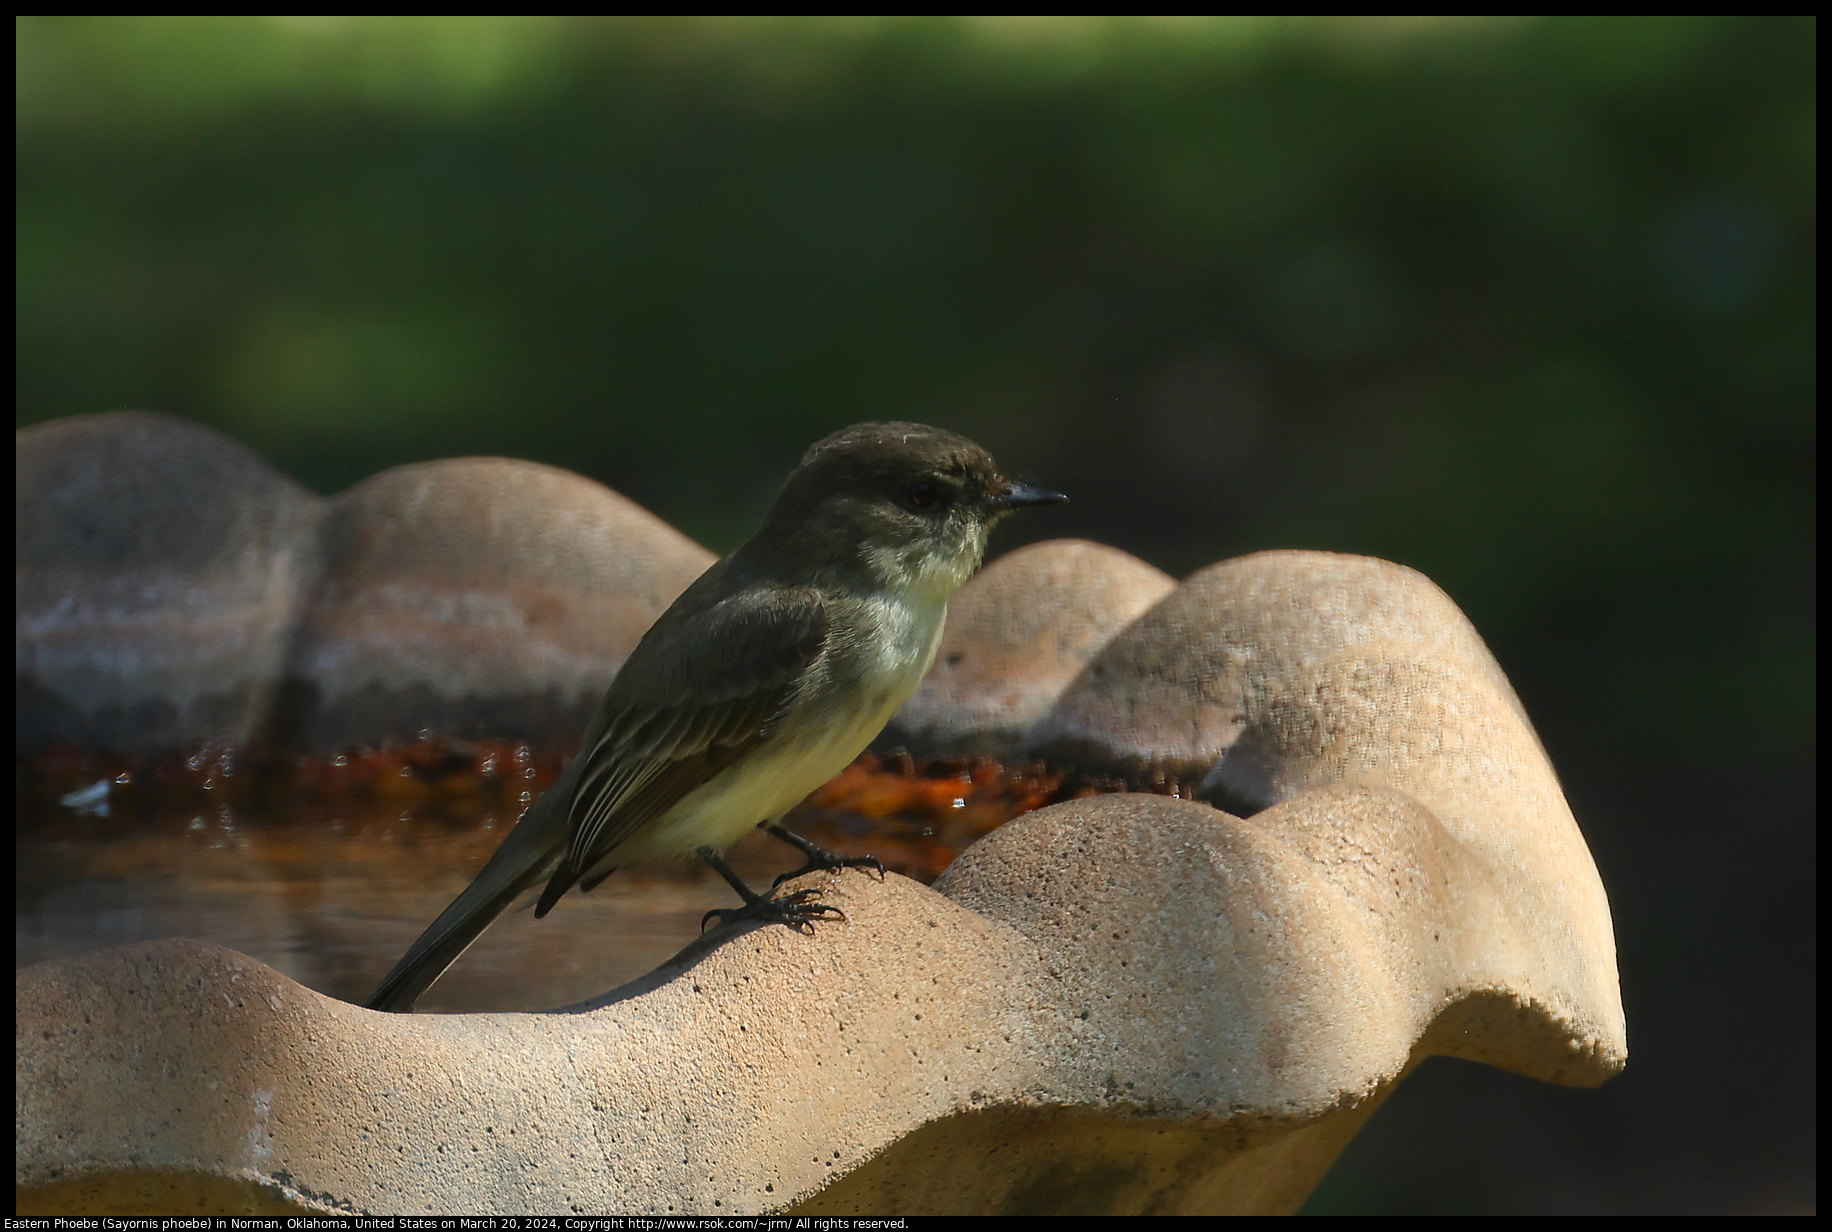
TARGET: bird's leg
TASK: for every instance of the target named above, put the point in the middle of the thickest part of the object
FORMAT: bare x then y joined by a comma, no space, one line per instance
819,857
797,910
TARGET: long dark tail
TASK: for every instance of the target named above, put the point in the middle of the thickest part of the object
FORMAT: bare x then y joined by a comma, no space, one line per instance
526,858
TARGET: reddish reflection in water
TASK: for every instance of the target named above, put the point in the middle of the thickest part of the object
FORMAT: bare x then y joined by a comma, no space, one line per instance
327,873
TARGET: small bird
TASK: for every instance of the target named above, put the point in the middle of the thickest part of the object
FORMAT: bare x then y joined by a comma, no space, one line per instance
763,680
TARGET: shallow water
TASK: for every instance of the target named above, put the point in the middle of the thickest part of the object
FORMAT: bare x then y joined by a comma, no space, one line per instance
332,889
332,895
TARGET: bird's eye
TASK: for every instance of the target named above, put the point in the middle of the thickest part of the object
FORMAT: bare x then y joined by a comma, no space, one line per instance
923,495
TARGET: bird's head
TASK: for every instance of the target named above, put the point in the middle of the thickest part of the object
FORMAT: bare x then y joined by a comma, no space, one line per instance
910,504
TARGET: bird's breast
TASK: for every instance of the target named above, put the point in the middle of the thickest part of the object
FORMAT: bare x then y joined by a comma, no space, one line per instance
873,664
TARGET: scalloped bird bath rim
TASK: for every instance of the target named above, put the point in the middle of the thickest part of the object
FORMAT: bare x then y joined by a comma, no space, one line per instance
1124,1003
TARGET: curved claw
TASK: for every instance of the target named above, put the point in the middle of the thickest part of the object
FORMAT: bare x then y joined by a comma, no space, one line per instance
794,910
815,866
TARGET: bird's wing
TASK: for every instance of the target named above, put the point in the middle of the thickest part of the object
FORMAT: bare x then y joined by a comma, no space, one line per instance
674,718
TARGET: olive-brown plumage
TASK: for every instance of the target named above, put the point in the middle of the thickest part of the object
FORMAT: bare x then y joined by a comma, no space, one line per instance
764,679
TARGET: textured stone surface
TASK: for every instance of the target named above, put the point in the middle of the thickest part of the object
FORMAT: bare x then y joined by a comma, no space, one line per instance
1236,683
1121,1004
160,569
477,596
1279,678
1017,634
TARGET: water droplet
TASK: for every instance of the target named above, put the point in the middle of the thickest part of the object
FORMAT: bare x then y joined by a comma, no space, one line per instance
90,799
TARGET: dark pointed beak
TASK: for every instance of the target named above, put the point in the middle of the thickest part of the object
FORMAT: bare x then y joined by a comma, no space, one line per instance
1018,495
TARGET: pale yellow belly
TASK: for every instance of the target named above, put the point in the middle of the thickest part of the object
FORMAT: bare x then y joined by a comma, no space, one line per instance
778,775
760,788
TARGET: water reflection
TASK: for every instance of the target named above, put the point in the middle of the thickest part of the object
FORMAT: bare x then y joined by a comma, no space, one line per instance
332,892
331,896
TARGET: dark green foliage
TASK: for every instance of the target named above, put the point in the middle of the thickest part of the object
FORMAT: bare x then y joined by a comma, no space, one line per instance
1528,305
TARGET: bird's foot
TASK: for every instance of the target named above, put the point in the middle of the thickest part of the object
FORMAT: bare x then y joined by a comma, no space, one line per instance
798,910
819,858
827,860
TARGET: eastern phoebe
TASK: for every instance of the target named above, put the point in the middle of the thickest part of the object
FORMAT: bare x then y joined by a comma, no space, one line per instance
764,679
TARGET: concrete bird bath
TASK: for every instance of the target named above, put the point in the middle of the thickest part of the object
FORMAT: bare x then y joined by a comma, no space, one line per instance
1345,852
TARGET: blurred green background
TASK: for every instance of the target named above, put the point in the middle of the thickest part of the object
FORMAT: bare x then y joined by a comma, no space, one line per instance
1525,304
